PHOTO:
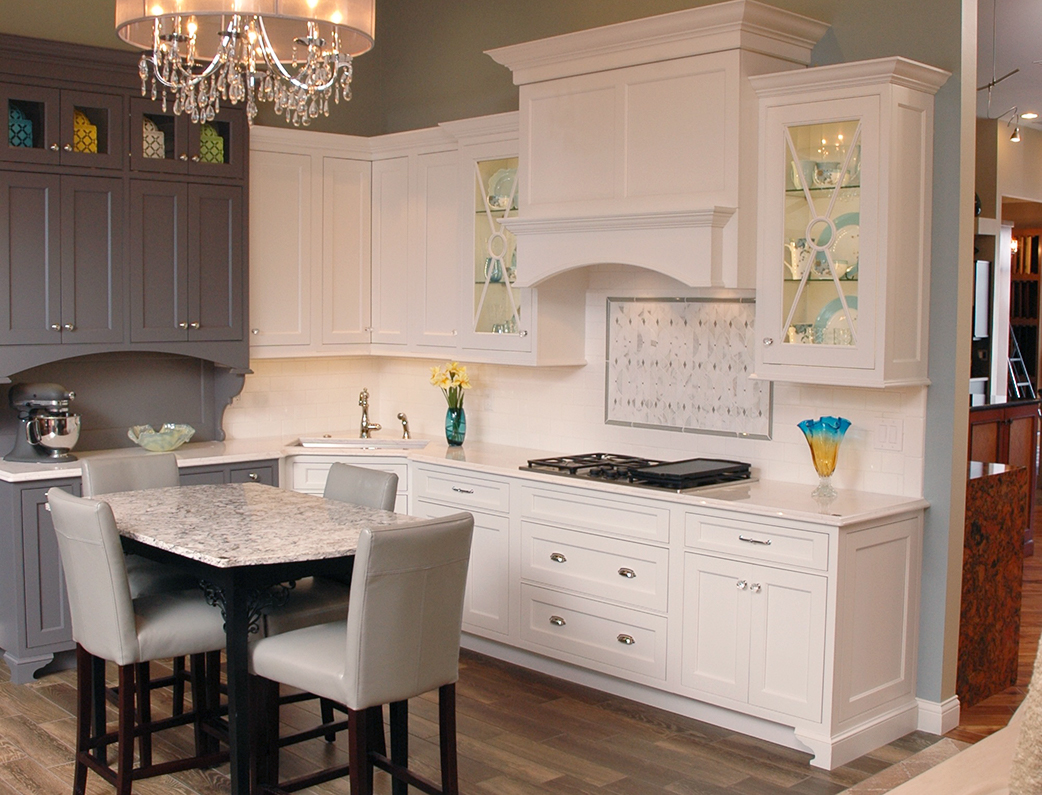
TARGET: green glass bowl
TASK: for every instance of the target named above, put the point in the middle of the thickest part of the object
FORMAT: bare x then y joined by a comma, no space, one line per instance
169,437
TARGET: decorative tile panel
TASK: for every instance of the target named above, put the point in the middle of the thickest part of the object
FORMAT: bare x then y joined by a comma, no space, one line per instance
683,364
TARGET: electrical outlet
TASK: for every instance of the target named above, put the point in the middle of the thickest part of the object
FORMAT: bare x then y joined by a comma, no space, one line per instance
890,434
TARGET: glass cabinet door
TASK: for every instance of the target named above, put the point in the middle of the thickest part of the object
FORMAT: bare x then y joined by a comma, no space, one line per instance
497,302
820,253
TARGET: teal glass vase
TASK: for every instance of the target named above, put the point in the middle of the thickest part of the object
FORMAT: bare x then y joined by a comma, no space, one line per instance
824,435
455,426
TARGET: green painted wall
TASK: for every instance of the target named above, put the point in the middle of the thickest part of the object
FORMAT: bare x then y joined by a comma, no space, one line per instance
428,66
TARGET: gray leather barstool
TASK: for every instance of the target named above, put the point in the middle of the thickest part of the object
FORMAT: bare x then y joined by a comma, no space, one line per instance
319,600
400,639
109,624
146,577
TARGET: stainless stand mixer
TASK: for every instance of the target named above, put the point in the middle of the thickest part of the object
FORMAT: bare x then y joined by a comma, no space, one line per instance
46,431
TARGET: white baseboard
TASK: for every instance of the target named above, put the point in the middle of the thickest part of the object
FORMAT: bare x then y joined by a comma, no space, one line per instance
938,717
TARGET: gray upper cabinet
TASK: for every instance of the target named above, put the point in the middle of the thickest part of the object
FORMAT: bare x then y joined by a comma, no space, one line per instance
63,265
186,262
163,143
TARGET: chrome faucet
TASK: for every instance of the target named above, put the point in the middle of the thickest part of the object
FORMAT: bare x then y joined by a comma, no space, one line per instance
367,427
405,424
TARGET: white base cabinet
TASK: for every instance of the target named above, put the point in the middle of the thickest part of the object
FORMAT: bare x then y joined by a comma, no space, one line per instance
308,473
749,617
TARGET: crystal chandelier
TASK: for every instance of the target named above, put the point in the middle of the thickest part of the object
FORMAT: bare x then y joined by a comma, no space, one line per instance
296,54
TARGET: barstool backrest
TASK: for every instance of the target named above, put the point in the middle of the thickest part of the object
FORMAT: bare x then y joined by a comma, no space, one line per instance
361,486
129,473
406,610
103,619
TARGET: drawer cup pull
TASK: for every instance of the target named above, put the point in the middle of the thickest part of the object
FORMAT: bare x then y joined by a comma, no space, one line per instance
557,621
748,540
458,490
557,557
629,574
626,640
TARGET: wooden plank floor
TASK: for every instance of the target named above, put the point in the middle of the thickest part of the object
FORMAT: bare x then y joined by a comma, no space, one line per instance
522,733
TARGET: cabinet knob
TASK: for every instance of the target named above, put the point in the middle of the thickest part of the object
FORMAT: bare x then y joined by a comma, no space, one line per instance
56,327
454,332
756,587
629,574
182,325
193,325
741,585
557,621
69,326
195,158
254,476
523,333
368,329
67,147
54,147
767,342
183,158
254,331
557,557
626,640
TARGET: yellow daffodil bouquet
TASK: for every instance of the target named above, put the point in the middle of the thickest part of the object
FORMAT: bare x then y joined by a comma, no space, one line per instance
451,379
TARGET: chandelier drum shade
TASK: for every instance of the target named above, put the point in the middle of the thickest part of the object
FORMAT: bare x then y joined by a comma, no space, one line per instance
296,54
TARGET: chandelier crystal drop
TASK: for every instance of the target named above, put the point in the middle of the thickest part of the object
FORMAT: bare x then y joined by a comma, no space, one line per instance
295,54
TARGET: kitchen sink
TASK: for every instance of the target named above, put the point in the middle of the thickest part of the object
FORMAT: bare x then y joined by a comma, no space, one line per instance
362,444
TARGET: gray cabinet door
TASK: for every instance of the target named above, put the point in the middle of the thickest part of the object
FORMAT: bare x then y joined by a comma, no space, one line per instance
215,263
46,602
92,259
30,258
158,261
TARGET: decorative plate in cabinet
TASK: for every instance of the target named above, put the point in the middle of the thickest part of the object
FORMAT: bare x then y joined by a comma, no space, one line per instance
211,144
19,128
84,134
153,142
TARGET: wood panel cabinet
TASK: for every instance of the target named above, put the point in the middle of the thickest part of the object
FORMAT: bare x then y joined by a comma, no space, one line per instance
264,472
186,262
63,259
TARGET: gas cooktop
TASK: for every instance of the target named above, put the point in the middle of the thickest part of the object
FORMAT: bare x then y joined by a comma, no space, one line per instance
675,475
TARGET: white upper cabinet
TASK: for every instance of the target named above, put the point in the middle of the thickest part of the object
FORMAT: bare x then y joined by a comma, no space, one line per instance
638,142
844,231
309,243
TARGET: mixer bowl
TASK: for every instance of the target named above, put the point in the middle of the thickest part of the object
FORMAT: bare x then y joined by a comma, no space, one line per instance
58,433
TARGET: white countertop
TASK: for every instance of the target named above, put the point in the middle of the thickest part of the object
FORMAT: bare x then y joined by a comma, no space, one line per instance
768,498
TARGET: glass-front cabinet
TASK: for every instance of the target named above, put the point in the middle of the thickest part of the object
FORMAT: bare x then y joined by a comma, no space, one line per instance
845,204
163,142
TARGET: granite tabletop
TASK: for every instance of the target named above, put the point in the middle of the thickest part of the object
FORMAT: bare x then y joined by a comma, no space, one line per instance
245,524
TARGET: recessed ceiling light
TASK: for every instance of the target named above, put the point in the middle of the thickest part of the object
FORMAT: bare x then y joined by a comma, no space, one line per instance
1029,115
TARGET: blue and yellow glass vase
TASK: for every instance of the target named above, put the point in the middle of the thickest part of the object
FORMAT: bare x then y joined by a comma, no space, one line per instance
455,426
823,436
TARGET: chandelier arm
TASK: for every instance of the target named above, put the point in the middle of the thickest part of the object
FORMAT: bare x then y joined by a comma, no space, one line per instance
193,78
272,60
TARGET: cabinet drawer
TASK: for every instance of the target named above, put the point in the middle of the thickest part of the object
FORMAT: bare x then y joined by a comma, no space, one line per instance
309,473
463,489
593,634
253,473
761,542
622,571
626,517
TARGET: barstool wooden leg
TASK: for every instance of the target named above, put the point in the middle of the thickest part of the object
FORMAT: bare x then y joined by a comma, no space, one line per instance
85,694
447,740
361,769
98,721
179,686
204,743
143,678
125,732
399,719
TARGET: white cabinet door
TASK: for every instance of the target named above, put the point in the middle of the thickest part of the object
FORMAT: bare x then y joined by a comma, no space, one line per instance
432,287
486,609
390,251
280,248
346,186
787,641
754,634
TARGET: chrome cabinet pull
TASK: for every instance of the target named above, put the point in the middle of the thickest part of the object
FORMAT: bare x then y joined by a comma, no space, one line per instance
54,147
69,326
254,331
193,325
741,585
748,540
56,327
557,557
195,158
67,147
254,476
557,621
626,640
629,574
183,158
755,587
458,490
767,342
182,325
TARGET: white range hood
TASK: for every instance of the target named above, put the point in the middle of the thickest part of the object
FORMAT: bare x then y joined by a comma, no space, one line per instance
638,141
